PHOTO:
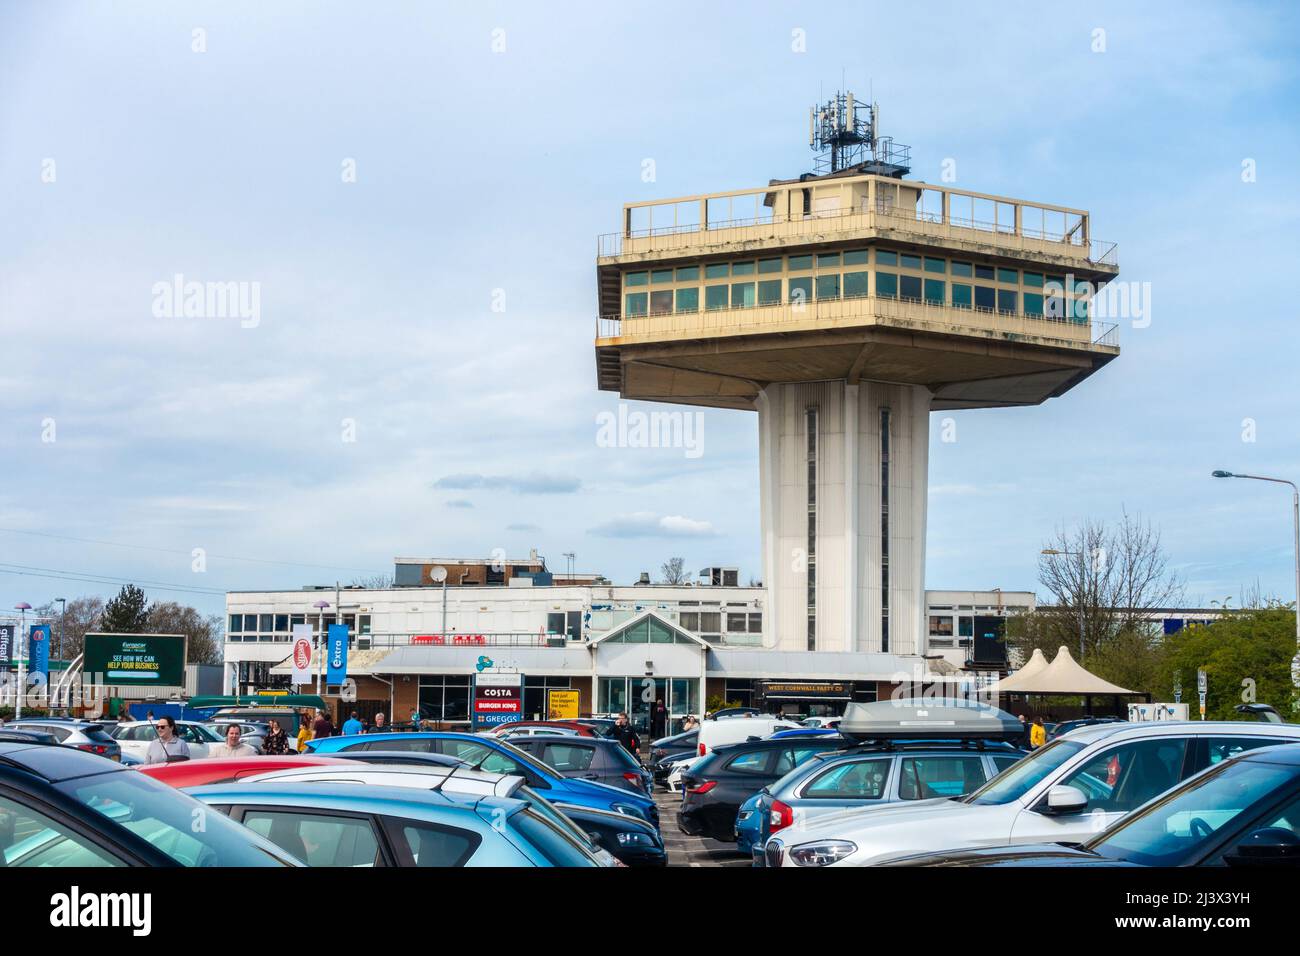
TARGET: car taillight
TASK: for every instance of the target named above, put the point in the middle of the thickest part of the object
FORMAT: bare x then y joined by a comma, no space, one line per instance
93,748
780,816
703,751
633,778
705,787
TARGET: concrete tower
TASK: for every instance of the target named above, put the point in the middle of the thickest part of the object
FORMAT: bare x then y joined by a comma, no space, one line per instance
844,307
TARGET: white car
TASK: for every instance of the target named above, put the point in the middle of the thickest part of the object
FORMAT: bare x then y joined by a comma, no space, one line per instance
1067,791
821,723
674,779
135,736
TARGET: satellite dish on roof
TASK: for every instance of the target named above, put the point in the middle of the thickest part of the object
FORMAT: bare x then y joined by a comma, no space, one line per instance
438,574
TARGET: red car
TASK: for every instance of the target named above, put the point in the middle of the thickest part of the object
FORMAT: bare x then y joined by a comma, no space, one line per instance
562,726
196,773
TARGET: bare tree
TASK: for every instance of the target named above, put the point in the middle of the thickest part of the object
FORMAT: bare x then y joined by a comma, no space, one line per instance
374,582
1103,583
674,571
68,632
203,634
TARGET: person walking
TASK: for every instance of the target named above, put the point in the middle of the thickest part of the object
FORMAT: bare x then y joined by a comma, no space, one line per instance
381,725
166,747
322,727
1037,734
625,735
352,725
304,731
659,720
232,747
1023,740
277,741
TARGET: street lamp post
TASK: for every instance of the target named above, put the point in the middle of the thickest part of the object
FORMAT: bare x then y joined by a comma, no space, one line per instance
320,607
63,623
22,608
1083,577
1295,517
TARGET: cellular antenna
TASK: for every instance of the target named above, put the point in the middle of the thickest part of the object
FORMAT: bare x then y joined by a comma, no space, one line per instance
845,135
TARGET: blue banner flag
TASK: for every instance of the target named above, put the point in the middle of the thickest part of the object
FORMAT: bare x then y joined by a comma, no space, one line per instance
337,651
39,640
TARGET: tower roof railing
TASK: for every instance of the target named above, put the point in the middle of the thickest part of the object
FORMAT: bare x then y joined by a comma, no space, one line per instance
847,203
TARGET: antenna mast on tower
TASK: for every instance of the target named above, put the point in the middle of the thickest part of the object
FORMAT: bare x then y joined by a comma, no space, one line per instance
846,135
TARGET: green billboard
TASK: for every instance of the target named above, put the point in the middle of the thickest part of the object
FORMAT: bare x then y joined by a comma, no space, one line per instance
156,660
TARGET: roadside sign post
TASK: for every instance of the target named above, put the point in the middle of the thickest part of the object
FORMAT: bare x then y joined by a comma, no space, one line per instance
1202,685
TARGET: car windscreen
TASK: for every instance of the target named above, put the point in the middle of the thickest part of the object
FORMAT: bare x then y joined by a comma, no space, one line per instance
177,825
1021,777
1172,830
557,847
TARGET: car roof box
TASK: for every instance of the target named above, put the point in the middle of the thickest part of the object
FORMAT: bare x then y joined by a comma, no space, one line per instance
941,718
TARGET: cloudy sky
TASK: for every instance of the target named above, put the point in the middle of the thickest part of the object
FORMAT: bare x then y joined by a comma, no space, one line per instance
416,190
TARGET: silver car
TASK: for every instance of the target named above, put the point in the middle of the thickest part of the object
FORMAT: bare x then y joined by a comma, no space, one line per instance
87,735
1067,791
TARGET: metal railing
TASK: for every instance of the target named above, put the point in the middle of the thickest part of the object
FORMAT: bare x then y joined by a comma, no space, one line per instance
389,641
853,310
885,215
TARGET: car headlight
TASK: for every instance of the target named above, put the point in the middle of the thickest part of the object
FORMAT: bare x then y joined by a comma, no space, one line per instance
822,854
635,839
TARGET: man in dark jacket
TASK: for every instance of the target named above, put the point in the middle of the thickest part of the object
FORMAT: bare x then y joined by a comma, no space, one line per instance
625,735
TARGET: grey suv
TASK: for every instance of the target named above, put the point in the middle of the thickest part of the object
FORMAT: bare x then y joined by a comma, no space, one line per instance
85,735
589,758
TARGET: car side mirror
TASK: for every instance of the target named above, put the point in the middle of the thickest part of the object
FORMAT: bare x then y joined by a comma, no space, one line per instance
1062,800
1267,846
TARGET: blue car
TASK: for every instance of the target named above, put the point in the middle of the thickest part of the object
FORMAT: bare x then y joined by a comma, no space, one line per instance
360,825
749,824
804,732
499,756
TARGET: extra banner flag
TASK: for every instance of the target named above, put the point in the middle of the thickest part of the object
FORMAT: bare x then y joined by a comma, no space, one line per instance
336,662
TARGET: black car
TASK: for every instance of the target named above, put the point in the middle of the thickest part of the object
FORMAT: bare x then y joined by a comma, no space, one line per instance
662,768
1243,811
674,746
1065,726
631,841
8,736
604,726
714,787
64,807
589,758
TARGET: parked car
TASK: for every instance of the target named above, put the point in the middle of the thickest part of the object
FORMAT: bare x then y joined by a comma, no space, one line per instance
397,758
545,726
63,807
728,712
837,782
1243,811
135,736
1065,791
359,825
714,787
500,756
603,726
632,841
87,735
515,732
590,758
250,733
831,723
456,779
289,718
661,768
804,732
676,767
197,773
1065,726
716,733
684,742
9,736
